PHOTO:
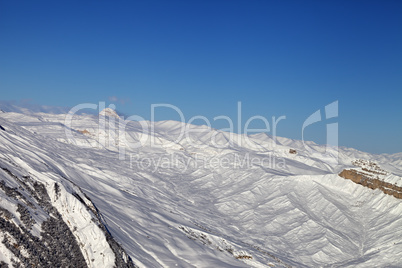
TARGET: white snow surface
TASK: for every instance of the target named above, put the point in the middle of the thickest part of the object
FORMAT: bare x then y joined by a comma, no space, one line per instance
109,112
200,202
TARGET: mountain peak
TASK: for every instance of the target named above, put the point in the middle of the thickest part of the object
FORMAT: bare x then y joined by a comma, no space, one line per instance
109,112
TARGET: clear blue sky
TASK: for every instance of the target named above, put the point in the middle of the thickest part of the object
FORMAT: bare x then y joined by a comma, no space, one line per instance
276,57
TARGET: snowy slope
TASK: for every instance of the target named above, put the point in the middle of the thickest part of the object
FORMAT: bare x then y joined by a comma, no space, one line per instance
50,220
210,199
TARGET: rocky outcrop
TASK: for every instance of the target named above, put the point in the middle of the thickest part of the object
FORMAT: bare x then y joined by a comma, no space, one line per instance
369,166
85,132
371,182
34,233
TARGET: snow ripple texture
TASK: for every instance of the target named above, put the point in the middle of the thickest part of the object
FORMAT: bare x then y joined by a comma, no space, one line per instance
299,214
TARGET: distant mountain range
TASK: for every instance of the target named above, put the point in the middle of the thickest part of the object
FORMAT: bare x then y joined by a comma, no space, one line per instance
96,191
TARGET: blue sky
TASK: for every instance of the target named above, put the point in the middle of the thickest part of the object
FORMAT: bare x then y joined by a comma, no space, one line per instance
276,57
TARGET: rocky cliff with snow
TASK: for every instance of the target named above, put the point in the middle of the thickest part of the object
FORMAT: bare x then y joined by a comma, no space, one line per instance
369,174
50,222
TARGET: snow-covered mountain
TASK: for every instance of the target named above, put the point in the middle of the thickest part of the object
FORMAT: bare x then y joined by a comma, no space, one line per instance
98,191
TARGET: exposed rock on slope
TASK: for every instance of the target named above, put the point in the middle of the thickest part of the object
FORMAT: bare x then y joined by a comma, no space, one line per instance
369,174
44,224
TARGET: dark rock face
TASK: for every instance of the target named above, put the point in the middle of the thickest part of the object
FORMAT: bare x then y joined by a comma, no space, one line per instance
56,246
25,216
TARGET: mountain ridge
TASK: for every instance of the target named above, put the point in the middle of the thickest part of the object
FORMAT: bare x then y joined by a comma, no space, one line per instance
302,214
